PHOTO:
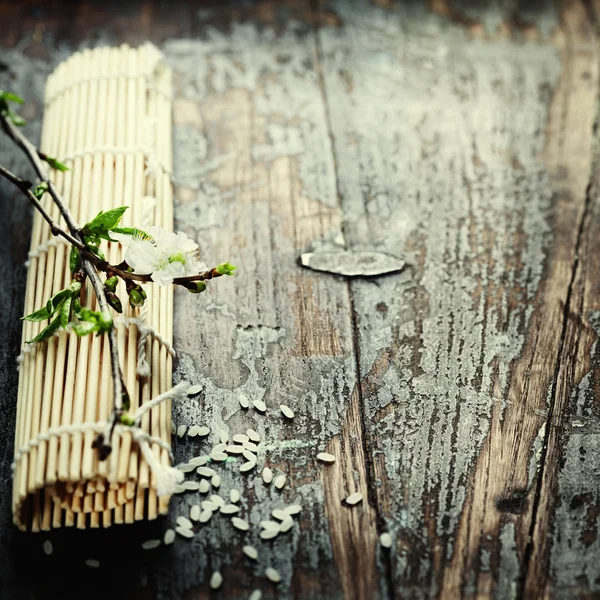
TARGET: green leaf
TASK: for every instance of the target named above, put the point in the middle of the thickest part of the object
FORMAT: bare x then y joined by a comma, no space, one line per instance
18,120
225,269
84,327
56,164
10,97
65,312
76,306
47,332
55,301
104,221
133,232
39,190
38,315
91,321
74,260
96,250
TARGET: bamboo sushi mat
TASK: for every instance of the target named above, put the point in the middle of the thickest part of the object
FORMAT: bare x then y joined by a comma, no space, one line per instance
108,117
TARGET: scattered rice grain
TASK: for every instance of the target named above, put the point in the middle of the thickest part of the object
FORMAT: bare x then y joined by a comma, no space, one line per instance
169,537
247,466
219,447
223,437
267,475
92,563
272,575
255,595
209,505
198,461
181,430
268,534
287,411
270,525
229,509
234,495
279,481
251,446
203,431
249,455
279,514
250,552
184,522
244,402
47,548
235,449
205,516
193,430
240,438
151,544
218,456
215,481
240,524
326,457
185,467
259,405
204,486
385,539
195,389
205,471
216,580
286,525
195,512
353,499
216,499
253,435
190,486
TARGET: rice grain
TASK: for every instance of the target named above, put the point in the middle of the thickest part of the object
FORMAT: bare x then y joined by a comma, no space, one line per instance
272,575
240,524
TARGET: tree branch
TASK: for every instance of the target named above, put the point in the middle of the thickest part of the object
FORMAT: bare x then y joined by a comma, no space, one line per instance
121,397
25,186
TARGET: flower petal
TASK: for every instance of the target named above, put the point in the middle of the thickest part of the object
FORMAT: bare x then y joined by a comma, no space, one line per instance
142,257
165,276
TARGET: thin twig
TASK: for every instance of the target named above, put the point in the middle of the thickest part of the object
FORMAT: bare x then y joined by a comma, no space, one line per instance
25,186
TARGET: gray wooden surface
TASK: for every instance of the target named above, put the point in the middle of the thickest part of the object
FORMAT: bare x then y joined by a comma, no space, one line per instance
459,395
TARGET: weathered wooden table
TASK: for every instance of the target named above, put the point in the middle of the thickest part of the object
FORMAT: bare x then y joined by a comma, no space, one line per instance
460,395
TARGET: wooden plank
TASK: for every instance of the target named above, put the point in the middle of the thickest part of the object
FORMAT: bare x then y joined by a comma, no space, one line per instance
255,185
463,143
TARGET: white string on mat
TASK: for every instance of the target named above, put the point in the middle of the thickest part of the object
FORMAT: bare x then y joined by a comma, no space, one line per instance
89,78
126,321
166,477
53,242
152,163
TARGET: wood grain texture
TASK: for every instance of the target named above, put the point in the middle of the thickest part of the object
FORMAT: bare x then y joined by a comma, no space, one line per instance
460,395
477,173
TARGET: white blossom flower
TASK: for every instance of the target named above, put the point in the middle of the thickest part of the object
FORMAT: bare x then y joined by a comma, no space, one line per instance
163,255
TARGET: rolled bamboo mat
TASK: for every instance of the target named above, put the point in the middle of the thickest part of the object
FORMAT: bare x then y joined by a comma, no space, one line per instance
108,117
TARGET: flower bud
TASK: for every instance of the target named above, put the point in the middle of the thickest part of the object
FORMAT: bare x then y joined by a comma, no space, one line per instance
137,297
127,419
111,283
196,287
114,301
